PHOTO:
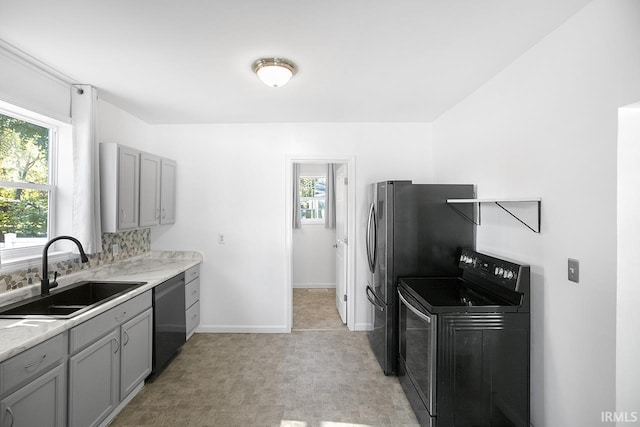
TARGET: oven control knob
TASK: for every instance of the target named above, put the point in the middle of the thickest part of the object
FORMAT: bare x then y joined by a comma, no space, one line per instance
496,271
509,274
500,271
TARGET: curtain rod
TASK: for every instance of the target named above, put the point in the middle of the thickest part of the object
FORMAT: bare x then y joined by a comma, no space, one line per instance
35,63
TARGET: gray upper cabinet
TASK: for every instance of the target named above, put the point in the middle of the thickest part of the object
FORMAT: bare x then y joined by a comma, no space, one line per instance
149,190
137,189
168,192
119,187
128,188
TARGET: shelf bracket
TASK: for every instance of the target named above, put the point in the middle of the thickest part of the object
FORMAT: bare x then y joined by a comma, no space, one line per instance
521,221
475,221
499,203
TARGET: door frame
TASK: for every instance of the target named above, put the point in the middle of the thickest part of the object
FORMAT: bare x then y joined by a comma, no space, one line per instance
349,160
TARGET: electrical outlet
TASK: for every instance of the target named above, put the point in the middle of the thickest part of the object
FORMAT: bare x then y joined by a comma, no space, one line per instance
221,239
573,270
115,249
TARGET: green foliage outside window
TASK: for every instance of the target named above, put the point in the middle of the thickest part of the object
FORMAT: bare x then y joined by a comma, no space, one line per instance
312,197
24,158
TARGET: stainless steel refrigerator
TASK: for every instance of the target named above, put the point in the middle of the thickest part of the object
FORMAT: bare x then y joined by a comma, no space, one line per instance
411,231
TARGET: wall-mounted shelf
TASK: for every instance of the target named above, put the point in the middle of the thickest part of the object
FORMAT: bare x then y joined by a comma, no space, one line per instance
499,202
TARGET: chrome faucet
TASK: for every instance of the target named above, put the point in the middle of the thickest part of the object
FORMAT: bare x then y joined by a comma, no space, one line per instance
44,283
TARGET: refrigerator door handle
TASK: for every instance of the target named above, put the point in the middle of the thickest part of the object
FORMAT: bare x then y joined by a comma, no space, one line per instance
368,238
372,226
373,299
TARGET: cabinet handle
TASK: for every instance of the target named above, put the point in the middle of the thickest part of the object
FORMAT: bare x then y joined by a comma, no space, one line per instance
164,213
121,215
117,345
195,316
126,335
193,292
10,412
157,213
121,316
36,363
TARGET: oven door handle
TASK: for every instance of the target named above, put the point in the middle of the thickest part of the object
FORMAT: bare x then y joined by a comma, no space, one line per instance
413,309
373,299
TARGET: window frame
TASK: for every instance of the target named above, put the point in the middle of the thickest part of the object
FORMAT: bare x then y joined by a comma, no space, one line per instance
311,221
19,257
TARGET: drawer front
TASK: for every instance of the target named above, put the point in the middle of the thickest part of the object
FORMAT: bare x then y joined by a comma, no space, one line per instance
192,273
33,362
191,292
193,317
96,327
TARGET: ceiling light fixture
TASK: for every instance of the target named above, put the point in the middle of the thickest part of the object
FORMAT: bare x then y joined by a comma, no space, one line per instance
274,72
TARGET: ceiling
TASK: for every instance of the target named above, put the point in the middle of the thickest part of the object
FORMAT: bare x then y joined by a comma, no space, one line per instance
189,61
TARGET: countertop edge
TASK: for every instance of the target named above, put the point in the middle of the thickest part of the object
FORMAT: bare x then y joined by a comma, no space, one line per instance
18,335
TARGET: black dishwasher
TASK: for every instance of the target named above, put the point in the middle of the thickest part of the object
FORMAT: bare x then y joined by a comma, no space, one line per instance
169,323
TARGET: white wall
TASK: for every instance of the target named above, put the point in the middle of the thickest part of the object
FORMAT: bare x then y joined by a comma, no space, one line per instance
314,257
231,180
546,126
120,127
628,298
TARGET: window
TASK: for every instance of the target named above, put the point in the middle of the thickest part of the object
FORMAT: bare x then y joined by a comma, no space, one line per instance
26,184
312,199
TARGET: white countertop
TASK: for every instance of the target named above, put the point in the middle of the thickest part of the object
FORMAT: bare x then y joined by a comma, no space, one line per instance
17,335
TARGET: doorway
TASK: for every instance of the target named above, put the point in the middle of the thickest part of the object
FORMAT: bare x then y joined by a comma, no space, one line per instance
319,260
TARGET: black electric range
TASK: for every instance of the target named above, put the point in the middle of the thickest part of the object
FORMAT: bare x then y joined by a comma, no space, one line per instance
464,344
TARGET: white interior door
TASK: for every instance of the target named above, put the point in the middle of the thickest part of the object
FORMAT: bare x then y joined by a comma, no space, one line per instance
341,241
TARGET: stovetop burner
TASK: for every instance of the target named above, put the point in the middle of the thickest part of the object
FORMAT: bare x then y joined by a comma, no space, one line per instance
440,293
485,286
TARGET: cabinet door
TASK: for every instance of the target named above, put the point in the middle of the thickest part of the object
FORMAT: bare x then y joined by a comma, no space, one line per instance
168,192
93,381
40,403
149,190
128,188
137,348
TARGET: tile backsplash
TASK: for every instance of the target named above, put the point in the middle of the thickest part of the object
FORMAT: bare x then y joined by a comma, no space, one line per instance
131,243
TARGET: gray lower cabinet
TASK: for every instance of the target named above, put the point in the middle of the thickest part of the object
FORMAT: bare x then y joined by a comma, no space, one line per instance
40,403
94,375
33,385
137,349
103,372
192,299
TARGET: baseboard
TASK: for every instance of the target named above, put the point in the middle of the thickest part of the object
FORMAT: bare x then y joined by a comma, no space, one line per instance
363,327
230,329
313,285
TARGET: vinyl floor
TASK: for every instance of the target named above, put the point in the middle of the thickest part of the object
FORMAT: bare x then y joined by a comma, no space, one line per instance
324,378
315,310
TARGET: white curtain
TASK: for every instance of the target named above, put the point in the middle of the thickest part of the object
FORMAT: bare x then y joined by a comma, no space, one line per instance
297,222
86,174
330,206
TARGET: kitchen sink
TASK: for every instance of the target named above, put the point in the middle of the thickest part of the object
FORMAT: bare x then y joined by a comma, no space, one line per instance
69,301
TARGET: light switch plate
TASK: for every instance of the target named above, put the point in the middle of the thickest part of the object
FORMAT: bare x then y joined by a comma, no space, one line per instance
221,239
573,270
